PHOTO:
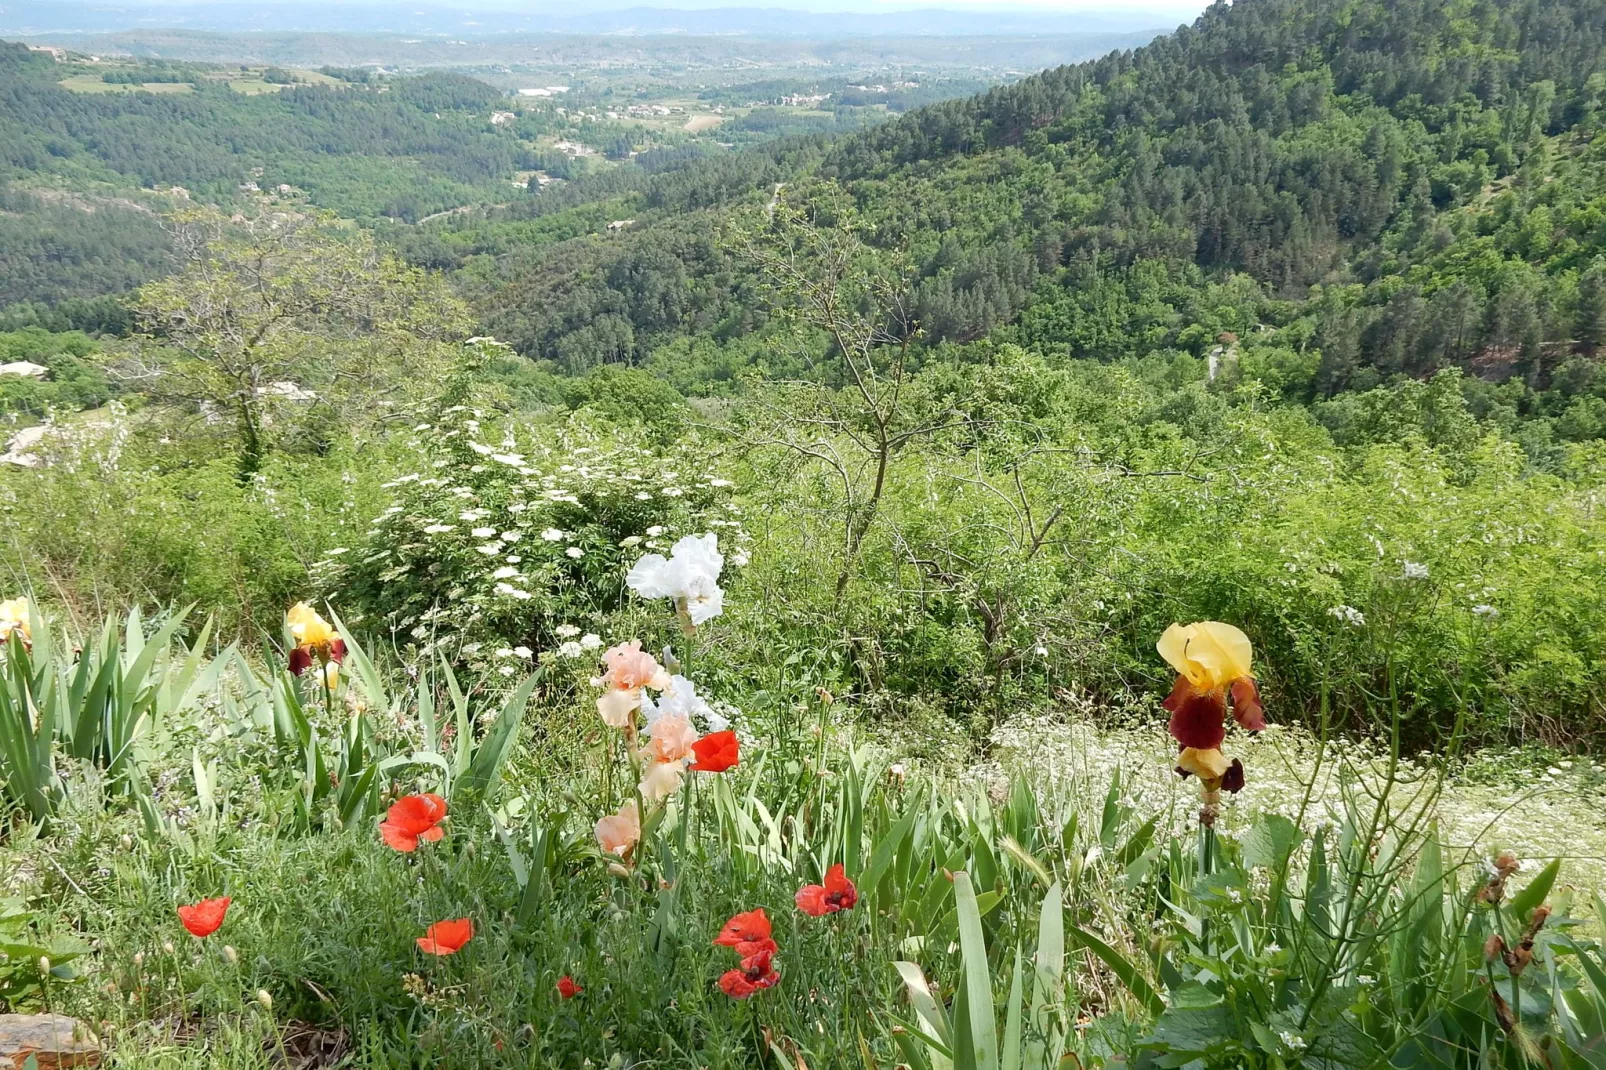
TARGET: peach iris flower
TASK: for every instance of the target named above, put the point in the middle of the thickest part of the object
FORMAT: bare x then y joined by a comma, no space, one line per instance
669,743
629,670
619,833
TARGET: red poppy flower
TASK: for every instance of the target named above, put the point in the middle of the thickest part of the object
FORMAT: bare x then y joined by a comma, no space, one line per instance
413,818
446,937
205,917
757,972
567,988
837,893
746,933
716,752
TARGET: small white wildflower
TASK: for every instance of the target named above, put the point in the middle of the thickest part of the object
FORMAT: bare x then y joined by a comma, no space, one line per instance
489,549
1273,947
673,492
438,529
643,496
655,530
1348,615
566,631
571,649
506,572
1415,571
506,670
512,536
505,652
575,552
552,535
740,558
590,641
630,540
481,449
483,533
1291,1041
1485,611
522,652
720,483
513,592
1365,979
1041,651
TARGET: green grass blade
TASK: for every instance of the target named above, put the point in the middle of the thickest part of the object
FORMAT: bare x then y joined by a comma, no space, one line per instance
1128,974
486,766
1048,986
982,1053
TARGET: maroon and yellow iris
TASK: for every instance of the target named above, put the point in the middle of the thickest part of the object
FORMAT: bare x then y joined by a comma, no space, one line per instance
1213,679
317,642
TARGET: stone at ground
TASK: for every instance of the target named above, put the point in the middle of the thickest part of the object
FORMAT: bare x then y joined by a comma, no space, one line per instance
54,1041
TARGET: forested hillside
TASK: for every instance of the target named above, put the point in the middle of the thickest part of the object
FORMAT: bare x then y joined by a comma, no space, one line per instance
1353,191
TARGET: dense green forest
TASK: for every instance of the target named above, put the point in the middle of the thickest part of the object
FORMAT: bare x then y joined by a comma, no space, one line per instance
1354,194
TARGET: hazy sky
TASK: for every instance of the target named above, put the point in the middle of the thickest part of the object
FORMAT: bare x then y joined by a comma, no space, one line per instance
1188,8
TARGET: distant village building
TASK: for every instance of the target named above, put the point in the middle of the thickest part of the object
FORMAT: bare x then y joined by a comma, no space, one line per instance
57,54
619,224
25,368
502,118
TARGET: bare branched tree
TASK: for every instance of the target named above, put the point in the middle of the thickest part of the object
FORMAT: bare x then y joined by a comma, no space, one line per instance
852,302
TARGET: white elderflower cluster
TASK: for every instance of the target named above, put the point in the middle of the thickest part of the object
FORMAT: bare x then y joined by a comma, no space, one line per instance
494,536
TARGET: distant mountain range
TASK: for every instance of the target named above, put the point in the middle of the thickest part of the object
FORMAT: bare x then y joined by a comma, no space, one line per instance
32,17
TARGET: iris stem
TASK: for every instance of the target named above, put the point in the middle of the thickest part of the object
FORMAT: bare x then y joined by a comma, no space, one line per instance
1207,853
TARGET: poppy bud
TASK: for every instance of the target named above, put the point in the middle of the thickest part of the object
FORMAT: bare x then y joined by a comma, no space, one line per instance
618,870
139,960
167,946
232,955
265,999
44,963
127,842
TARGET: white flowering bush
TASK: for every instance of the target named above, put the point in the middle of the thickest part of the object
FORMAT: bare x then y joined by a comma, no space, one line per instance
504,549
